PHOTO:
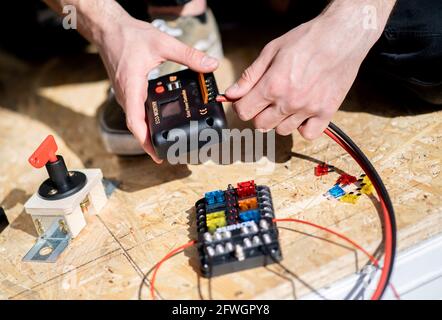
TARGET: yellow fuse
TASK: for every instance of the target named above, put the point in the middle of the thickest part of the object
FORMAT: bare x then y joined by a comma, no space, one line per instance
215,220
214,224
350,198
215,215
366,186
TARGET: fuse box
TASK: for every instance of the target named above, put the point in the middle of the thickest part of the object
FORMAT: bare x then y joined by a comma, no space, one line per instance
236,229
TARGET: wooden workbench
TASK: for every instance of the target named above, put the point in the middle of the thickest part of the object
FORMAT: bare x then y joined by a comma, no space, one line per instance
149,214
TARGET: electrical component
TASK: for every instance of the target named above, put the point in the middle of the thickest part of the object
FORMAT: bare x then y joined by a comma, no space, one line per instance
323,169
366,187
177,101
214,200
240,235
250,215
246,189
336,191
215,220
62,200
248,204
350,197
346,179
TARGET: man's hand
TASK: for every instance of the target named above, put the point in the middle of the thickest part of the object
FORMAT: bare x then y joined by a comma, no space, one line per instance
129,53
300,79
130,49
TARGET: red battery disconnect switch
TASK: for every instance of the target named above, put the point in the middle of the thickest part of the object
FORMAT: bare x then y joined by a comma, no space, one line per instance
62,200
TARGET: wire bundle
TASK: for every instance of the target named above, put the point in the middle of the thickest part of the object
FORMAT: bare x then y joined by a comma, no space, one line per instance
389,220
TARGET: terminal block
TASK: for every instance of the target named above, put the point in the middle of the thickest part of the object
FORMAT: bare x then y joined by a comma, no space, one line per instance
240,234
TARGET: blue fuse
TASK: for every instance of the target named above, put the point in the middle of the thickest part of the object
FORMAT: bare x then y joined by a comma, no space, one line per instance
336,191
213,197
250,215
214,200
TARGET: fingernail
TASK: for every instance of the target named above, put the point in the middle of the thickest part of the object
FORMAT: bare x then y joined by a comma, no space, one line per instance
263,130
208,61
232,88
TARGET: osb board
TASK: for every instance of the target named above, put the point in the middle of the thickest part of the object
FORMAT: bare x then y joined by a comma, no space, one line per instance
150,212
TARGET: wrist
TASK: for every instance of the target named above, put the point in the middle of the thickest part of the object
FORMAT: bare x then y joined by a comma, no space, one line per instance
99,18
363,21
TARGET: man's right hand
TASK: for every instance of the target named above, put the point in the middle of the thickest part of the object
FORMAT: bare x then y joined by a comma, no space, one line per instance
130,49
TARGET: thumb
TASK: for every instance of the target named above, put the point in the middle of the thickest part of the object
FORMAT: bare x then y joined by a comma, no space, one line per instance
188,56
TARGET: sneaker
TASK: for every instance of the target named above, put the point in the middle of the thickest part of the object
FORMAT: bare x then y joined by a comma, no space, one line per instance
200,32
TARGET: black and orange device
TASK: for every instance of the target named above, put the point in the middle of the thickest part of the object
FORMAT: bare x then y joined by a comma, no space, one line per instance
186,101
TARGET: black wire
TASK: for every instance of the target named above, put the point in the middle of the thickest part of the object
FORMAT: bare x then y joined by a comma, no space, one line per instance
383,193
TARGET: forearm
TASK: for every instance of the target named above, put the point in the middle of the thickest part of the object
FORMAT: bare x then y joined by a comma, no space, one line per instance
363,20
94,17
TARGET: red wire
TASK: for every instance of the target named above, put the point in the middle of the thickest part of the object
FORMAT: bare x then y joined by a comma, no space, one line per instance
166,257
343,237
221,98
387,228
354,244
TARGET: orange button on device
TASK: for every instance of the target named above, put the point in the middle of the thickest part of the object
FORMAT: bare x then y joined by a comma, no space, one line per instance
159,89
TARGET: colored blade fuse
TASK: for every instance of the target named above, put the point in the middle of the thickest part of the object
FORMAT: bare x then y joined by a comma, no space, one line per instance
215,220
336,191
366,186
323,169
248,204
246,189
350,197
215,200
346,179
250,215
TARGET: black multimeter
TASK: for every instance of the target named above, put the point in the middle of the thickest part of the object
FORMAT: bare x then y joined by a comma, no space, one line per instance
174,101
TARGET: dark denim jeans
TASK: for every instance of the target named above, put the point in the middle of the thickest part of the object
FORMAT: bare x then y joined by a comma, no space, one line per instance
410,48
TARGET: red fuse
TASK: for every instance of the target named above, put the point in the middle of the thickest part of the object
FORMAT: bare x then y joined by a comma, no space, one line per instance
322,169
246,189
346,179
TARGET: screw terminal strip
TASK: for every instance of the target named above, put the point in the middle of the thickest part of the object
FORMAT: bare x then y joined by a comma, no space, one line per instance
240,233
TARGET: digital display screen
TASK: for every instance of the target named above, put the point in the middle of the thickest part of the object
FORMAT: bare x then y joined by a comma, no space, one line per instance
170,108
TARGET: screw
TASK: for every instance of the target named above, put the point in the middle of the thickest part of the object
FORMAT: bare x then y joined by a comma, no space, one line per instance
52,192
71,173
